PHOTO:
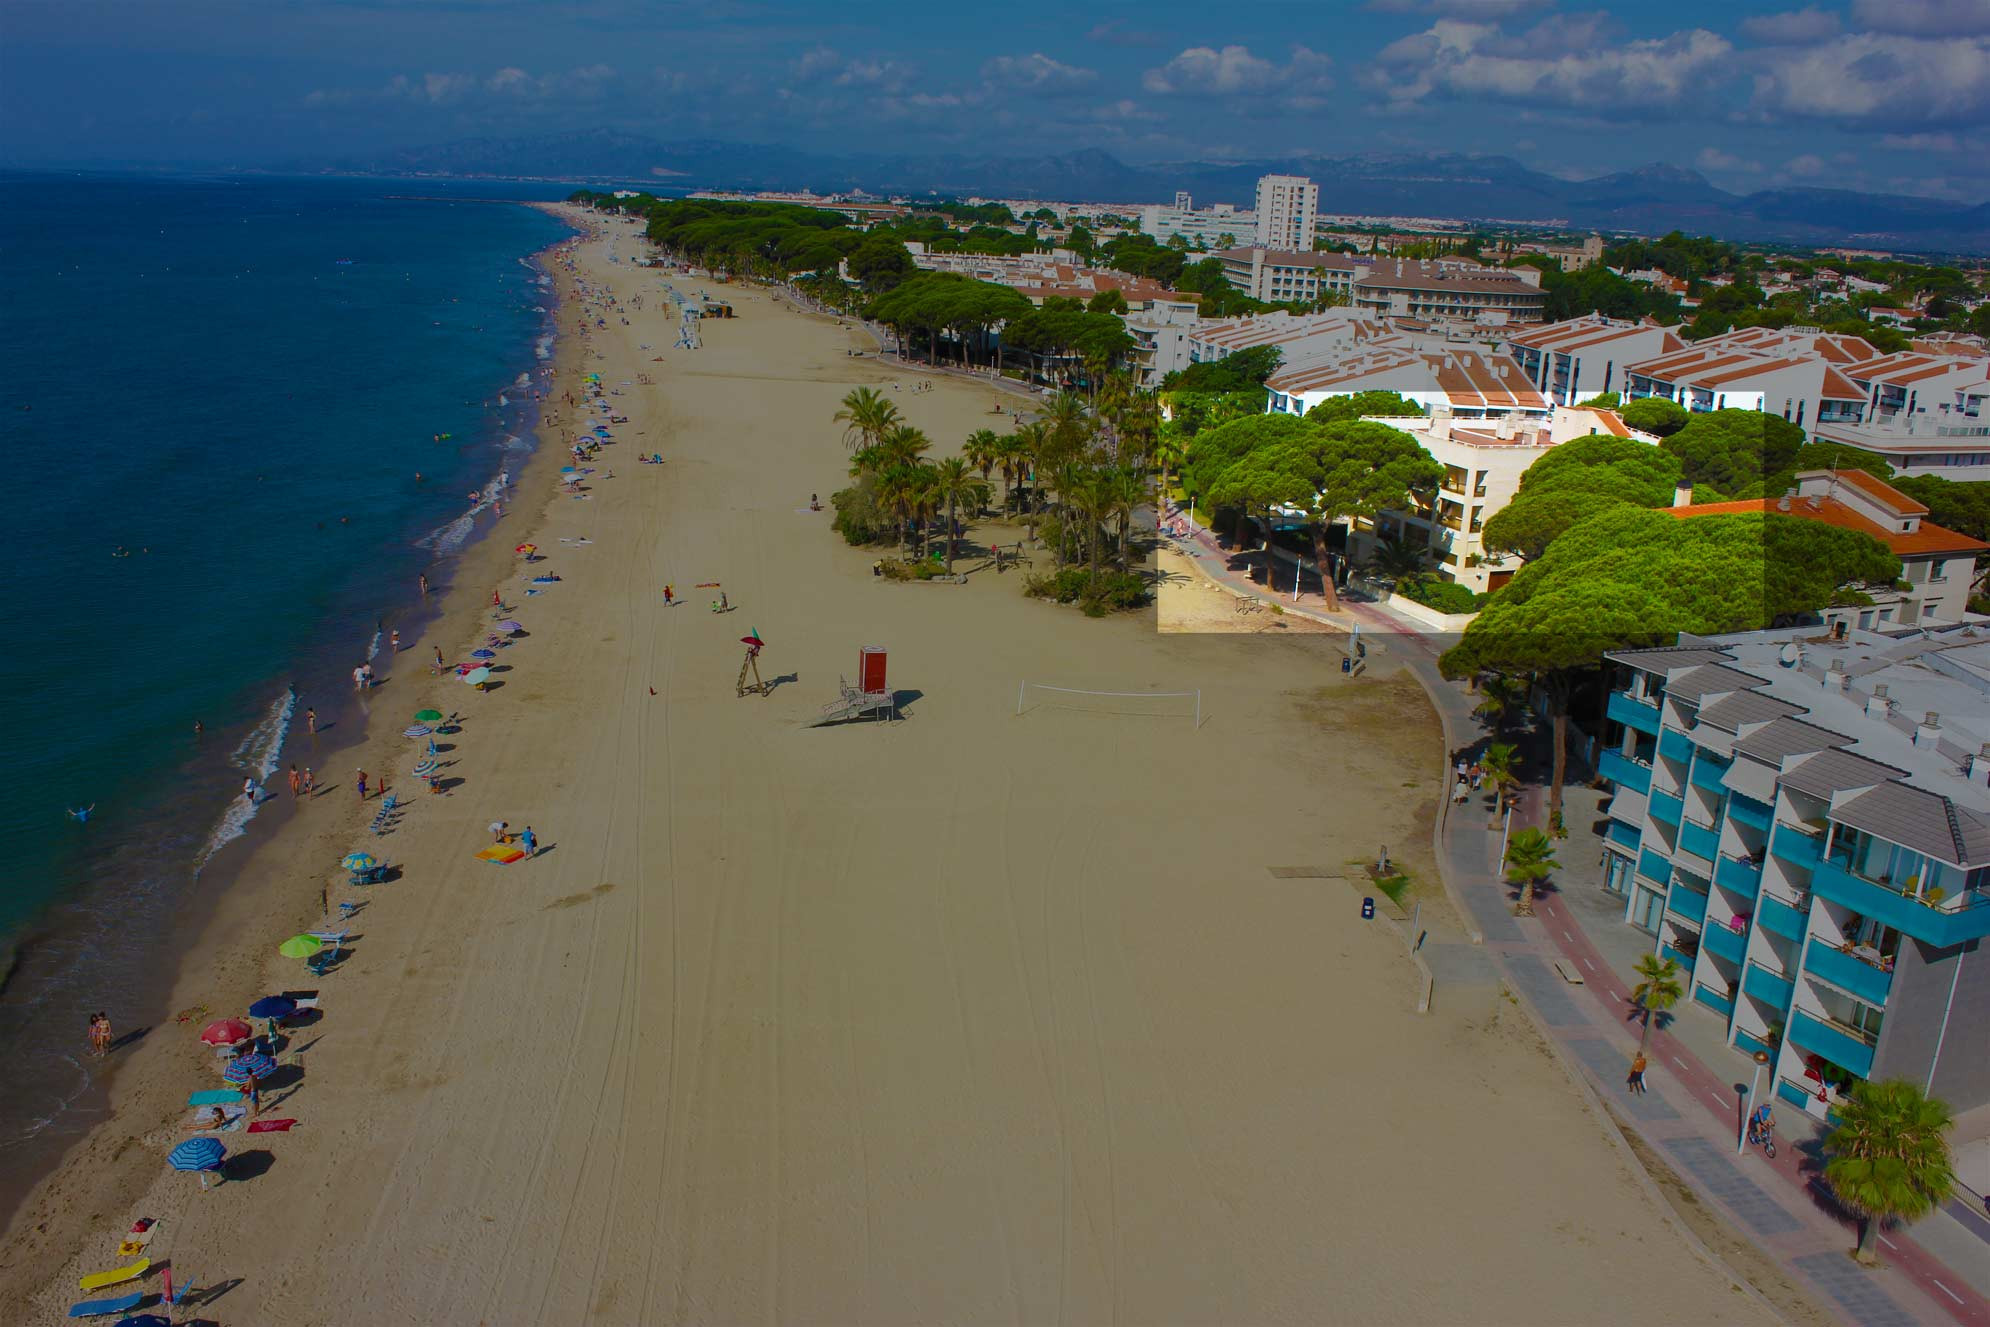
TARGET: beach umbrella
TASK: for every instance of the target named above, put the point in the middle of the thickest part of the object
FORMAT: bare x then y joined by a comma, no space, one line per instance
225,1032
144,1320
359,861
476,677
273,1007
417,730
242,1070
426,768
300,946
483,654
197,1154
428,716
509,625
527,549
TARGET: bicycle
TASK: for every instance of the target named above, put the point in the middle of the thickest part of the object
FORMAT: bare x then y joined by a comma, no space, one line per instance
1763,1136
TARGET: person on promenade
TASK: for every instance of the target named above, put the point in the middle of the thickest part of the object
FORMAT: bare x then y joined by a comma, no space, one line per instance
1636,1081
362,785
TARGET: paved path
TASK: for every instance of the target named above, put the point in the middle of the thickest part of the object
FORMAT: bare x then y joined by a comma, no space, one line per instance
1691,1114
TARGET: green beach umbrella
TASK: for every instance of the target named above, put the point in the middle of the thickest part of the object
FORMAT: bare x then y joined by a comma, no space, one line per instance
300,946
428,716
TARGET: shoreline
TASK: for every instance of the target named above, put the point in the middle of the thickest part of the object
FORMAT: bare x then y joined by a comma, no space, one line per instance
219,900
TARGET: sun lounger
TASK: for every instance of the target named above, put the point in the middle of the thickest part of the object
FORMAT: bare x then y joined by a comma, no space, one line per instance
302,999
103,1308
333,938
98,1280
214,1096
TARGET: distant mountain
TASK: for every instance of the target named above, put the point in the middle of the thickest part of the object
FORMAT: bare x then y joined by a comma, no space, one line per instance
1652,199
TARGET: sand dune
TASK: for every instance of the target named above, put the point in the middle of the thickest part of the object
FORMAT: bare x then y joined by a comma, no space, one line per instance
967,1018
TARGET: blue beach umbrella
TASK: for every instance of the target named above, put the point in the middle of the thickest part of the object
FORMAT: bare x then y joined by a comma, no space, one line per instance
197,1154
483,654
359,861
273,1007
242,1069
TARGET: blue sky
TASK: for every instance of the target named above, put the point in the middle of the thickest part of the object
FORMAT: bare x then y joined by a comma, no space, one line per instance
1868,94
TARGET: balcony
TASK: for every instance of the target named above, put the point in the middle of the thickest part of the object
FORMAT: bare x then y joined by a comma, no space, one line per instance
1747,811
1772,914
1847,972
1720,1004
1680,956
1675,745
1621,769
1707,774
1739,874
1685,903
1843,1046
1798,847
1724,942
1700,840
1632,713
1968,918
1654,867
1624,835
1665,808
1766,986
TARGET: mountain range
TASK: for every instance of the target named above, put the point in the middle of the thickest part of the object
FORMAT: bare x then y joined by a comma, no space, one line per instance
1650,200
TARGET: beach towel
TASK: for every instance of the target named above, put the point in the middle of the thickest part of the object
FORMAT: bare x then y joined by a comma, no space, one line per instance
501,854
271,1126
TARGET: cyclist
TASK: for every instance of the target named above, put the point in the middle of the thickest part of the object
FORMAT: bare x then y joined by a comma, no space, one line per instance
1761,1123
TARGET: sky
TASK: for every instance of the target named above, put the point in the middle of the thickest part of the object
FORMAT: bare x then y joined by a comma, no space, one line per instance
1888,95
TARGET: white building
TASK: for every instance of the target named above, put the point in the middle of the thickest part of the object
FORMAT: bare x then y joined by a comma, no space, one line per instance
1482,469
1926,414
1211,227
1717,375
1287,207
1161,334
1584,357
1472,382
1280,276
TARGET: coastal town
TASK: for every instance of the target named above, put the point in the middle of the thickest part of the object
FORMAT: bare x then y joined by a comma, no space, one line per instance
744,664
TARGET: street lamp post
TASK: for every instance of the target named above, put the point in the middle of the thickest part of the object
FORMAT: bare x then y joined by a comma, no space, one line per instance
1754,1080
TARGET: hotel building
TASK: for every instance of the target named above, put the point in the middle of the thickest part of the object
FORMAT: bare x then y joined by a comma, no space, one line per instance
1287,206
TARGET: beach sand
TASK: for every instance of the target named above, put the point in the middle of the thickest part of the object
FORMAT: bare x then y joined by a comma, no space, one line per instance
970,1017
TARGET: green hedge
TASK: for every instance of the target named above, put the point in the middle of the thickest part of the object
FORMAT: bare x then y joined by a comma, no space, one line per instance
1444,596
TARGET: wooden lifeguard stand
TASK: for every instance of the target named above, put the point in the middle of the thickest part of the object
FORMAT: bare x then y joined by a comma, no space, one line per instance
751,664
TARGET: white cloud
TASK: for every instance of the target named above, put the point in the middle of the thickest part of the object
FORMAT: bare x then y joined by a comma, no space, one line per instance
826,66
1797,27
1806,166
1566,63
1233,71
1480,9
1036,72
509,84
1725,163
1924,18
1869,80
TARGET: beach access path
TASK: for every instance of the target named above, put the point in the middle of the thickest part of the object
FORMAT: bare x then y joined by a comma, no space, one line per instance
970,1017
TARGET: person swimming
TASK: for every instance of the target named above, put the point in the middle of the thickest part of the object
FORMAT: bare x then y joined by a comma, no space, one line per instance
81,814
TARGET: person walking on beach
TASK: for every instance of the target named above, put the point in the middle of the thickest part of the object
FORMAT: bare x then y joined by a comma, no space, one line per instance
669,596
311,722
308,786
296,782
438,661
423,578
100,1033
249,790
529,842
394,641
362,785
1636,1081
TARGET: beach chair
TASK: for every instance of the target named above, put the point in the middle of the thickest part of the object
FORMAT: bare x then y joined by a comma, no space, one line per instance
383,818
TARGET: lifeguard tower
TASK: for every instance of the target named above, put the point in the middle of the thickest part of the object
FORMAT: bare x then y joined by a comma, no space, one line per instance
872,695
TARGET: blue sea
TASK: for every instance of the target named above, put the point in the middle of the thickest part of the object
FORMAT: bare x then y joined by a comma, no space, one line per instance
218,395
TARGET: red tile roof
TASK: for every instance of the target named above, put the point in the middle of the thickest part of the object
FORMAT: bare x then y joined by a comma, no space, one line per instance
1927,541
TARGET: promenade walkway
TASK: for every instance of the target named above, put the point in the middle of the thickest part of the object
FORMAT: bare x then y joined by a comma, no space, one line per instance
1695,1106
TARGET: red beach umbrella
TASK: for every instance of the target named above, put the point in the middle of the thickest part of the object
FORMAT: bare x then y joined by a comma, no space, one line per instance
226,1032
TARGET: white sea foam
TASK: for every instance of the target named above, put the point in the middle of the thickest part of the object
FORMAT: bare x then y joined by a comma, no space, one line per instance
373,646
543,347
258,756
523,380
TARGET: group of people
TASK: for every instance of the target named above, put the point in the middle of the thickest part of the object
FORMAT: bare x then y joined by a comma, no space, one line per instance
362,677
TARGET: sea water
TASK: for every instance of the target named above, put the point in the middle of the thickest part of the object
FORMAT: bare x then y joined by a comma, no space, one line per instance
219,393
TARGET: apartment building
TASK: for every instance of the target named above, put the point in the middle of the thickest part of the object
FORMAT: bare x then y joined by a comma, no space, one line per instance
1936,564
1281,276
1301,338
1584,357
1718,374
1470,381
1802,822
1287,206
1925,413
1482,468
1161,335
1444,288
1213,227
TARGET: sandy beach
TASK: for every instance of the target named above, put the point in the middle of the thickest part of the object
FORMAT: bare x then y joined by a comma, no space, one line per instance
971,1017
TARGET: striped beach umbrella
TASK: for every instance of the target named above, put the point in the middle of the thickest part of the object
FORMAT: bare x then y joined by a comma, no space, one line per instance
426,768
510,625
225,1032
197,1154
243,1068
417,730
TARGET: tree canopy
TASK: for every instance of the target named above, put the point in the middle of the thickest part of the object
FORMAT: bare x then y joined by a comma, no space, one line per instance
1574,482
937,302
1386,404
1736,452
1655,415
1238,372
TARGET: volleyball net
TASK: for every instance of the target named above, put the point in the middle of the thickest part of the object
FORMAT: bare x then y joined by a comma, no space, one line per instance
1034,696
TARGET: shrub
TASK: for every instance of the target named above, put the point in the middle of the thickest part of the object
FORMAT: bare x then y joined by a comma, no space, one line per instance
1113,591
858,518
1444,596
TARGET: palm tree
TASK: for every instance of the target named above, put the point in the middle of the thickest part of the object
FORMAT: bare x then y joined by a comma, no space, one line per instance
1010,457
1399,560
904,445
1657,990
1889,1157
1501,766
898,493
1127,488
1170,453
953,484
983,449
867,415
1500,698
1530,856
1032,454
